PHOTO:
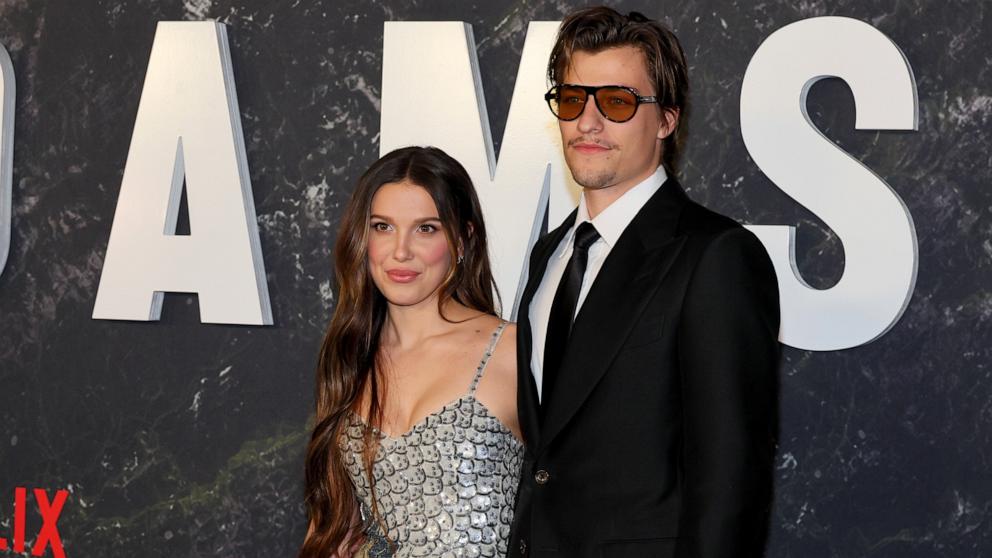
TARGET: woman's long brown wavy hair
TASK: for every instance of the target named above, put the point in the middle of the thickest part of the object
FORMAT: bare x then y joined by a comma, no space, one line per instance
350,362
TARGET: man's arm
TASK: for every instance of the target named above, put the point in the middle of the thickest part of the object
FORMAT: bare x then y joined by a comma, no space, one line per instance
728,355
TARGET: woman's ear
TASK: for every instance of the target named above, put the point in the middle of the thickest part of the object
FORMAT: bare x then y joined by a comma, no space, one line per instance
461,244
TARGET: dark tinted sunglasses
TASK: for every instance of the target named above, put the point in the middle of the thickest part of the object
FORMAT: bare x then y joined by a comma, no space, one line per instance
616,102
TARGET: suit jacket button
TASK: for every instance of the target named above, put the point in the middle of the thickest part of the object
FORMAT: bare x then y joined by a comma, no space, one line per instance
542,477
523,546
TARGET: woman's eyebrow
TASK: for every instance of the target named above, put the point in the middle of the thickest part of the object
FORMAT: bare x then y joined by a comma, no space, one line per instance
420,220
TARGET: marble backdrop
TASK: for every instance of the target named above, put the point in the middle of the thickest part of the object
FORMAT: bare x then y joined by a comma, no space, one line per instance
182,439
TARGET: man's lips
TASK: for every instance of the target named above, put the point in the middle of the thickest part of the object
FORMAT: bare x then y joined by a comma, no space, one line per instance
402,275
590,148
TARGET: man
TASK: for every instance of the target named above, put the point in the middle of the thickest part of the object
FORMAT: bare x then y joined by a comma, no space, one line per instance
647,388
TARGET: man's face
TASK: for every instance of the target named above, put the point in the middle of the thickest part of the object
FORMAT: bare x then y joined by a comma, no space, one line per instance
603,154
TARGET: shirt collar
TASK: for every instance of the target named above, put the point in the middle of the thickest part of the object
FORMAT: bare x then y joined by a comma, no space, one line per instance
611,222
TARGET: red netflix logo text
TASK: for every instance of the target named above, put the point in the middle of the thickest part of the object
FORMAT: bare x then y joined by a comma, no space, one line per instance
49,533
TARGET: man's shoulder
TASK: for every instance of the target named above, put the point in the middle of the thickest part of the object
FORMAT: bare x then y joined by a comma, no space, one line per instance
710,232
700,221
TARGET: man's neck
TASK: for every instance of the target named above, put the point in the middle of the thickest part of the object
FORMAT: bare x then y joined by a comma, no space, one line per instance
598,199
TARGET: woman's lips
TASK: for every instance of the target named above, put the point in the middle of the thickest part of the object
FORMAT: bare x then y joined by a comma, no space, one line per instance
402,275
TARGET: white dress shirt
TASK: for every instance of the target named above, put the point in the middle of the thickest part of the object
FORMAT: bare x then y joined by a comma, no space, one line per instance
610,224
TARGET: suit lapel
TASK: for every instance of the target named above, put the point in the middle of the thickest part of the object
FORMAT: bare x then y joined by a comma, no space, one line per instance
527,400
635,267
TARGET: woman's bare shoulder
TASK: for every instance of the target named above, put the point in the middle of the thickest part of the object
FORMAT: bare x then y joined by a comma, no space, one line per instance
498,388
503,361
508,340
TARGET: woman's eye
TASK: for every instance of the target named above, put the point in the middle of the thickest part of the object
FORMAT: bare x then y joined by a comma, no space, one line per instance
425,228
380,227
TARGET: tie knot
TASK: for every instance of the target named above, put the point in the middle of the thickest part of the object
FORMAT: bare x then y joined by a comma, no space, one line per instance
585,235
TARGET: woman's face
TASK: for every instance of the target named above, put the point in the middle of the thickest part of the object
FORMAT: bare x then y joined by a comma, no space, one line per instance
409,256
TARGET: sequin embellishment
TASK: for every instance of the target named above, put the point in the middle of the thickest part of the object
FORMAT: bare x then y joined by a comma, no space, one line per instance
446,488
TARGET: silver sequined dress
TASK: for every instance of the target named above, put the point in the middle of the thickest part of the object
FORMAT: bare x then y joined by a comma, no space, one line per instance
445,488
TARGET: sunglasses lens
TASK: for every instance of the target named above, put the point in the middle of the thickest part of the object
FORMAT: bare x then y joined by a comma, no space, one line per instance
617,104
568,102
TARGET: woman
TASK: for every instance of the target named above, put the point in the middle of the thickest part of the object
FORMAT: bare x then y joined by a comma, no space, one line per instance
416,434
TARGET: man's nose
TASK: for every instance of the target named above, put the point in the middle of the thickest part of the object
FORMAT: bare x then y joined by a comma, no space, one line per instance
590,119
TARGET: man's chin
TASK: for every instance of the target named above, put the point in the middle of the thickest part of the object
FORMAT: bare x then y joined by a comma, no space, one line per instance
593,180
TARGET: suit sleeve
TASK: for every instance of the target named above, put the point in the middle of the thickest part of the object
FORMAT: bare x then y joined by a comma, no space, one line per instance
728,356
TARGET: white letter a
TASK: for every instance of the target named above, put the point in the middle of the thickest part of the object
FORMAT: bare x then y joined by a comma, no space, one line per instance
188,127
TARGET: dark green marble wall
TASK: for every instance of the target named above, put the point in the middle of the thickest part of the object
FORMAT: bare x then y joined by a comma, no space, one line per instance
182,439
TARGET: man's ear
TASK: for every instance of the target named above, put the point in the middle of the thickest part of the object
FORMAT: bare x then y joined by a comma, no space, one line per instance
669,122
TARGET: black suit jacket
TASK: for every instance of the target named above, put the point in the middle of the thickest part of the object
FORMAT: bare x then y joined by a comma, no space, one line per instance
660,436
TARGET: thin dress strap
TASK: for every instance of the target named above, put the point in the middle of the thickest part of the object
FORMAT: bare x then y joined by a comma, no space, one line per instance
493,340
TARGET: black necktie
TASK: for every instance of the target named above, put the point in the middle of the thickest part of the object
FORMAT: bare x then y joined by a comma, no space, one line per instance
563,309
